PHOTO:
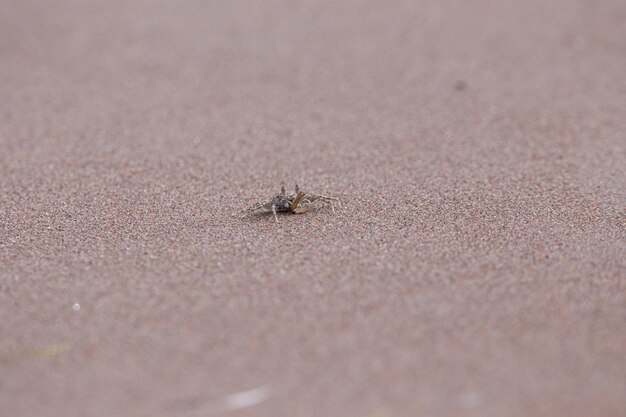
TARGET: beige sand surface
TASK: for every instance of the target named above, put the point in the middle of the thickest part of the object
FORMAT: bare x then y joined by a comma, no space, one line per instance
477,265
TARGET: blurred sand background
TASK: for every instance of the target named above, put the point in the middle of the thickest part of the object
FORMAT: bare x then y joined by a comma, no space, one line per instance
477,265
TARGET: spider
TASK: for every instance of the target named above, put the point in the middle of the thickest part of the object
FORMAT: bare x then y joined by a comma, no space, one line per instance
296,202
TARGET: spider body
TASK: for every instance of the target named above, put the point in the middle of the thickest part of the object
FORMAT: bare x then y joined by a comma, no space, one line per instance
293,202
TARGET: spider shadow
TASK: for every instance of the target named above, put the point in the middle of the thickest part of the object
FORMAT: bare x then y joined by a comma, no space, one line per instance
284,217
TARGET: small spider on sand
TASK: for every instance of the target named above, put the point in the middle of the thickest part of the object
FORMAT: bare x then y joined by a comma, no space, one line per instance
296,202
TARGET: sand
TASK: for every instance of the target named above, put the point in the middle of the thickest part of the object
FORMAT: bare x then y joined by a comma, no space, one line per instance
475,268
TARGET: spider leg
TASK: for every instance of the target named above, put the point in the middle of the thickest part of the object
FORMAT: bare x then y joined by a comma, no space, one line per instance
324,199
297,189
274,211
296,201
258,206
303,205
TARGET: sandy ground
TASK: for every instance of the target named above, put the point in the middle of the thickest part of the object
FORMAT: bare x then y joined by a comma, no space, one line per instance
477,264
